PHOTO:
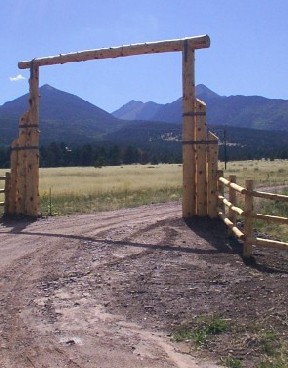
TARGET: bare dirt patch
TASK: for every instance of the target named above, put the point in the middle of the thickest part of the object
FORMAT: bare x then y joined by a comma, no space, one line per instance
111,290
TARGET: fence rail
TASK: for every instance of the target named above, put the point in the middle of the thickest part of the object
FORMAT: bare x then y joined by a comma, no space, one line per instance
2,190
5,190
230,218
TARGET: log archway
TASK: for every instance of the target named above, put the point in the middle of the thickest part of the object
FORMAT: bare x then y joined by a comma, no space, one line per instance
199,148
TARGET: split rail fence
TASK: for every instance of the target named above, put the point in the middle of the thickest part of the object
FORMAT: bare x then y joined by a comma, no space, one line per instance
230,217
4,190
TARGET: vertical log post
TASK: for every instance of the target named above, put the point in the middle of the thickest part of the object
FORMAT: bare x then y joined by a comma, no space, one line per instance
13,192
188,132
212,175
201,148
21,168
220,191
233,199
32,165
248,228
23,197
7,192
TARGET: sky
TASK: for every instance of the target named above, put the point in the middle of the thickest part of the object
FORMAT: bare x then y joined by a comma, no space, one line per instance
248,53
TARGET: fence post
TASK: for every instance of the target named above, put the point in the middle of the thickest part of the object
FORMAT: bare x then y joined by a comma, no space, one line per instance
220,190
212,176
7,192
232,199
248,226
201,149
188,133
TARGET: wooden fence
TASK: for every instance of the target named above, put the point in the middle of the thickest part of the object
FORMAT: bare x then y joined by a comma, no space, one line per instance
5,190
230,217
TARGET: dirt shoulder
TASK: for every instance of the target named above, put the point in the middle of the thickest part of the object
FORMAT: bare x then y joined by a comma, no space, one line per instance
111,289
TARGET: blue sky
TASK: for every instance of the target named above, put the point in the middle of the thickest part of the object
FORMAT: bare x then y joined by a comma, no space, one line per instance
248,53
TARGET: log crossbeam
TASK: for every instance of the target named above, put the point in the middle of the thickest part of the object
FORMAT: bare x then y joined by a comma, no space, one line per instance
199,195
198,42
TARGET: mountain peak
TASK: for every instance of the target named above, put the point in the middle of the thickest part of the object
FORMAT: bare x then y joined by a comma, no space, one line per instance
47,87
204,92
132,110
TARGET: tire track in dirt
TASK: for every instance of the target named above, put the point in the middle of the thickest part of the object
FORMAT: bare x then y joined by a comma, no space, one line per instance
49,252
33,235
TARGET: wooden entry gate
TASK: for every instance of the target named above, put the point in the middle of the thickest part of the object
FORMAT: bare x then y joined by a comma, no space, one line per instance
200,148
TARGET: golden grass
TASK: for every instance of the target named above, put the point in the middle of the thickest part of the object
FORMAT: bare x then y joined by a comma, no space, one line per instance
89,189
82,190
110,179
264,173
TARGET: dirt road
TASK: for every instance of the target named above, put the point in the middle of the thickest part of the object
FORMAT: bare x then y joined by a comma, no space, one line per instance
108,289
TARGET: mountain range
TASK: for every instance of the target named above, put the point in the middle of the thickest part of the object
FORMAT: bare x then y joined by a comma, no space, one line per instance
67,118
254,112
63,117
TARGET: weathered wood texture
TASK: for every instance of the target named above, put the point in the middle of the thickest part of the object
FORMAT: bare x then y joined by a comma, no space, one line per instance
248,227
200,164
220,190
232,199
2,203
7,189
273,196
235,186
270,243
270,218
212,175
231,207
232,227
32,143
24,182
198,42
188,133
201,158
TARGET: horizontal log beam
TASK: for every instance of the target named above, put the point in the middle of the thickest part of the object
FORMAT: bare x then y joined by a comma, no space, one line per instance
278,219
231,205
2,177
235,186
2,203
231,226
273,196
2,190
269,243
198,42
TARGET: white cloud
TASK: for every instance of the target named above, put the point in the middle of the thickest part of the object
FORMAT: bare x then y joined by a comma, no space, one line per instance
17,78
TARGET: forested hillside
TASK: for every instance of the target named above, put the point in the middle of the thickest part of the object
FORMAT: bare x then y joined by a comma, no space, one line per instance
74,132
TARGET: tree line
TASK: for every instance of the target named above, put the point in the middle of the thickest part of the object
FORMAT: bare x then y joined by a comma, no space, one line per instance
62,155
108,154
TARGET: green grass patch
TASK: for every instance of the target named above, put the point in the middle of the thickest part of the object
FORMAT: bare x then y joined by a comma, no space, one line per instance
231,362
270,348
205,327
274,350
269,342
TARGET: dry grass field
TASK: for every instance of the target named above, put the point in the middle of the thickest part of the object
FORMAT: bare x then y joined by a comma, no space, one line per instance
89,189
263,172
